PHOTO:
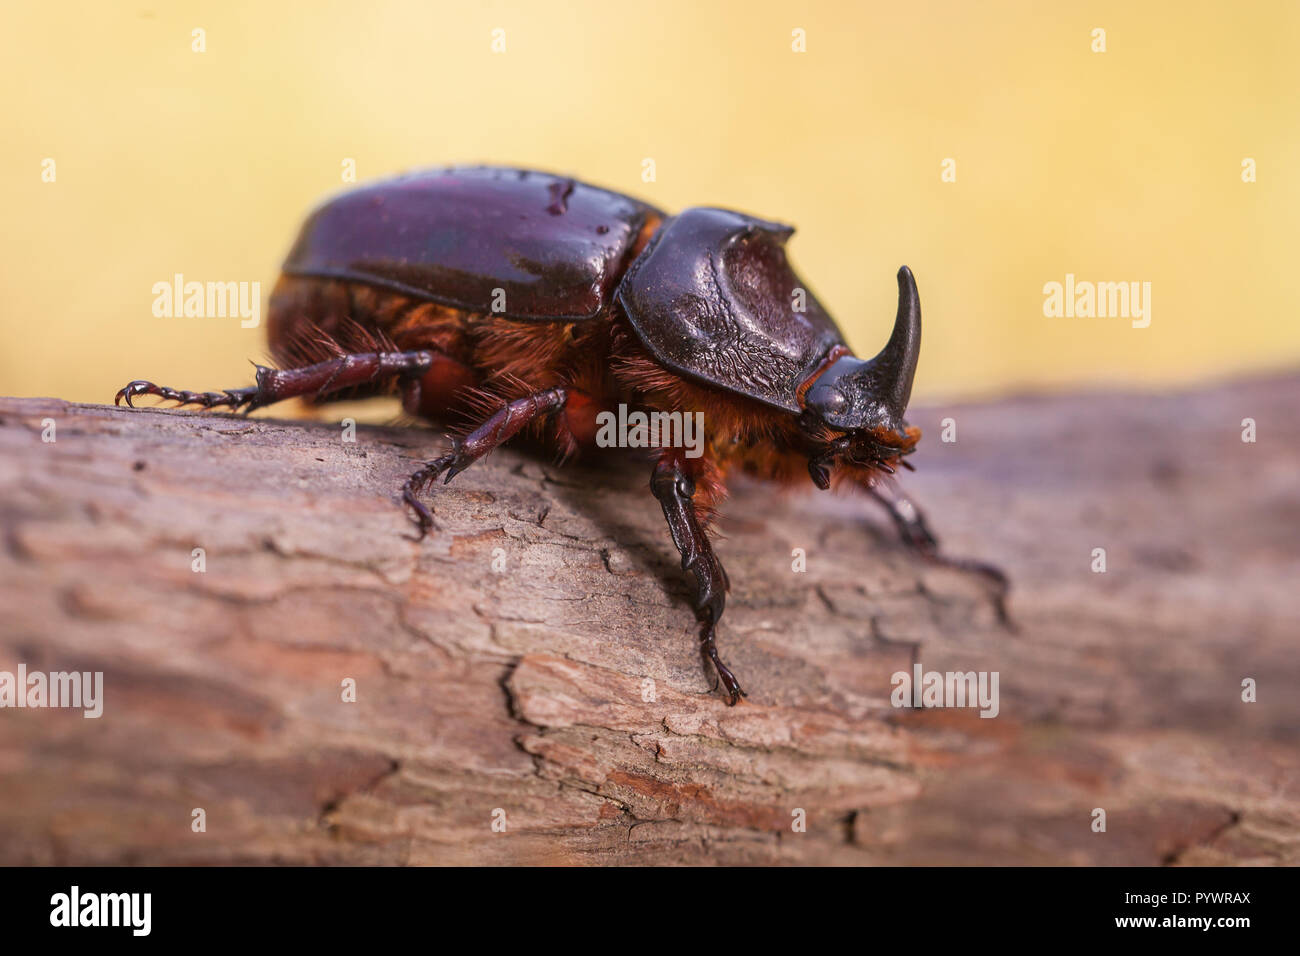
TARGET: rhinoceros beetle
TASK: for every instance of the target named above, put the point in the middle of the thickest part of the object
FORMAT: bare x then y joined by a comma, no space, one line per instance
535,300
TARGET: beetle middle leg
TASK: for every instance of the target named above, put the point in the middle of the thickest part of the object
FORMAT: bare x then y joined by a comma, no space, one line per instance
916,534
497,430
274,384
675,489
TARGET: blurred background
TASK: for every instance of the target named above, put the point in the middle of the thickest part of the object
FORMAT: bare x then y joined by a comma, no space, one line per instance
1124,165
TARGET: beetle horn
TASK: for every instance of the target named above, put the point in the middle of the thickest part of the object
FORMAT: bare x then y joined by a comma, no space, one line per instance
894,368
851,393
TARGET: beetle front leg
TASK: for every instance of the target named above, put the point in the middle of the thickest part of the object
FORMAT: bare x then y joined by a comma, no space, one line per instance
916,534
675,490
496,431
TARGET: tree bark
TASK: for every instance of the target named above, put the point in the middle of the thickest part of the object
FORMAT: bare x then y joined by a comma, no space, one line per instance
534,663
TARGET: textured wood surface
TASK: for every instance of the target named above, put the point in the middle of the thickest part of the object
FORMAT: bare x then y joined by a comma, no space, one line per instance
521,688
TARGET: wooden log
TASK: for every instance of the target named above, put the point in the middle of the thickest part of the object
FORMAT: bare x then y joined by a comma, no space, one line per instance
534,663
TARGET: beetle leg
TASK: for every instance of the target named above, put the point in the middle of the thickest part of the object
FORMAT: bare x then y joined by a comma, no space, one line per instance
319,380
675,489
497,430
916,534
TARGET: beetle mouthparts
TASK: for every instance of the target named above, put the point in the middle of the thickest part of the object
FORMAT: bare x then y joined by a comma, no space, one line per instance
852,393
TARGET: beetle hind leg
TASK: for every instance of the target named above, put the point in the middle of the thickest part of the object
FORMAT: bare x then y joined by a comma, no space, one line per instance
675,490
497,430
345,371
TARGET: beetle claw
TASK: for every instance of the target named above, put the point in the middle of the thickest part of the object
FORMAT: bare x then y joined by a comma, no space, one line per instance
235,398
423,518
137,387
725,677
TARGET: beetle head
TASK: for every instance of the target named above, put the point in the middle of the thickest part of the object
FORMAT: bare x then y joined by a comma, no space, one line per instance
865,400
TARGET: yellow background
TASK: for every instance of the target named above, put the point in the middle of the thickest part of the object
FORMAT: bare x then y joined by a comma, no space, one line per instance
1118,166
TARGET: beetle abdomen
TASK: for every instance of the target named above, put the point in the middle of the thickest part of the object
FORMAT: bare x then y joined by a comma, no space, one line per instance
515,243
311,320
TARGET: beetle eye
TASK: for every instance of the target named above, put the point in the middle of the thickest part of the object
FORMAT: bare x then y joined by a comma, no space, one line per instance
829,401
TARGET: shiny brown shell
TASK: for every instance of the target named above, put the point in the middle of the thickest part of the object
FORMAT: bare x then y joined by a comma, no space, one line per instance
555,248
